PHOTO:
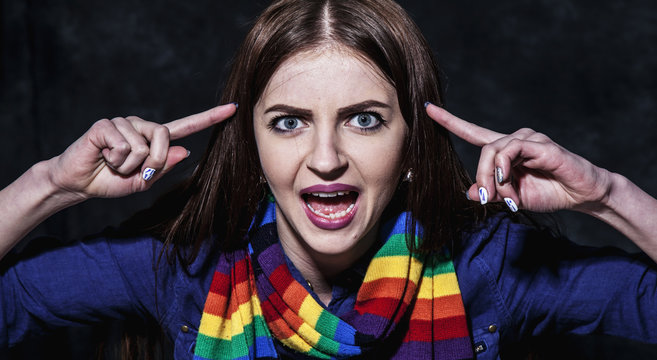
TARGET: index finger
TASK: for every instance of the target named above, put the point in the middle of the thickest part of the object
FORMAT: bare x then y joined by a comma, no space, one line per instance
194,123
475,135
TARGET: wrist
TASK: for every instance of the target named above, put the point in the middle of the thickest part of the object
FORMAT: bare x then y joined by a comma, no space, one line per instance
616,190
28,201
611,204
631,211
45,178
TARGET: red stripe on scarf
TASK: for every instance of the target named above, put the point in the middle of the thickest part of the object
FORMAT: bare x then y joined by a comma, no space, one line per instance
446,328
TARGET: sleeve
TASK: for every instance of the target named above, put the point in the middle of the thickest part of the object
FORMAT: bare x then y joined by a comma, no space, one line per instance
538,285
78,284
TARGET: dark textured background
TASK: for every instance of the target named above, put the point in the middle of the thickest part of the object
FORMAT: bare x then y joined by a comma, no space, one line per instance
583,72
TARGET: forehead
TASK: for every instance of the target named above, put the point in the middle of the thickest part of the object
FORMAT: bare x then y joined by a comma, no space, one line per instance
335,71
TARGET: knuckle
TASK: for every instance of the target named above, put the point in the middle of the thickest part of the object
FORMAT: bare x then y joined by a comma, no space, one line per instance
524,132
103,123
486,148
555,149
161,130
481,178
489,148
122,147
141,150
515,141
158,159
101,126
500,159
540,137
133,118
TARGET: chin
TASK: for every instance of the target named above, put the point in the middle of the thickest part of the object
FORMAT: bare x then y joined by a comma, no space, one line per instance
333,245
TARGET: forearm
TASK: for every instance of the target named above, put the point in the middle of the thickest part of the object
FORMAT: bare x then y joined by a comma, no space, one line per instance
631,211
27,202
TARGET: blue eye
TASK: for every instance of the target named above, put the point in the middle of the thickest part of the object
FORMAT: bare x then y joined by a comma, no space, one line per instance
287,123
366,121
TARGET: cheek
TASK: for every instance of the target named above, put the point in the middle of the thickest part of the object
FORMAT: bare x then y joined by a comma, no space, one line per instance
279,164
383,160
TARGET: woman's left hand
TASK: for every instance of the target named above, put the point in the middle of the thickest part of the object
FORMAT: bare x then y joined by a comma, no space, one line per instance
528,170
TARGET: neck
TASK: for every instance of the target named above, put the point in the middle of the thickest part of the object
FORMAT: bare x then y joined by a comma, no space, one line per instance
318,273
320,269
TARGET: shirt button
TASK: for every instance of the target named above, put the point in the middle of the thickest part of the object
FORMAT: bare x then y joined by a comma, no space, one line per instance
492,328
184,328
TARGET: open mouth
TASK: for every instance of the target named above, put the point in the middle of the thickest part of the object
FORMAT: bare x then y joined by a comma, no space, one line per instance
331,205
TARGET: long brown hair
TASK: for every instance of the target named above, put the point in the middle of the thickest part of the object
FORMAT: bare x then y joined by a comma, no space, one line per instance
221,197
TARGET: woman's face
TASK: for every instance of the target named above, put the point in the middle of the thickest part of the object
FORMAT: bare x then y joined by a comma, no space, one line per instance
329,134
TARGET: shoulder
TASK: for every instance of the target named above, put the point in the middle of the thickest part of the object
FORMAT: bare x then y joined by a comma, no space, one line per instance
528,282
491,256
179,282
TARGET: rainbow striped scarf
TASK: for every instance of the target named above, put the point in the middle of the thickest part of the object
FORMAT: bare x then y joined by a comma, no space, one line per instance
254,298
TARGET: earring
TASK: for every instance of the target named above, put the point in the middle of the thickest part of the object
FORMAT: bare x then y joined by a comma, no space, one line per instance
262,180
409,176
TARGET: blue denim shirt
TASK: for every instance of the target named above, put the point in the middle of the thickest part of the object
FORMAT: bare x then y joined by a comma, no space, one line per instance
515,283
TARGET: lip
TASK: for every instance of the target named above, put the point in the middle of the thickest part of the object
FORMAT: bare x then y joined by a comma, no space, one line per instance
324,223
329,188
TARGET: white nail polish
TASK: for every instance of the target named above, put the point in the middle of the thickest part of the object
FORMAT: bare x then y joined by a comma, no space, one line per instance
148,174
511,204
483,195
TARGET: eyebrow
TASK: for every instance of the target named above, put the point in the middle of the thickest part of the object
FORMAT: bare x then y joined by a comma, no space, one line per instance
342,112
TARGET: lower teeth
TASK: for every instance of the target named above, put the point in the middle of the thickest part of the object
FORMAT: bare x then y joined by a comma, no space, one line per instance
332,216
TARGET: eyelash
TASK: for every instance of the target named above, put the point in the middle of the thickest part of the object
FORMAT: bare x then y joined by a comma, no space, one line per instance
273,122
377,127
272,125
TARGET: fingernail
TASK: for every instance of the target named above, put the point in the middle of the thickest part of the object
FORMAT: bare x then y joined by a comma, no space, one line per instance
188,153
499,175
511,204
148,174
483,195
236,105
427,103
467,195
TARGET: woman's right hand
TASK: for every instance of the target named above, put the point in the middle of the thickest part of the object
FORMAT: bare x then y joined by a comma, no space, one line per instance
113,158
122,156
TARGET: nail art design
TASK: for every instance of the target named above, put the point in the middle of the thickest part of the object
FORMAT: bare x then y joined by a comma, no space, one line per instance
467,195
483,195
511,204
427,103
148,174
499,175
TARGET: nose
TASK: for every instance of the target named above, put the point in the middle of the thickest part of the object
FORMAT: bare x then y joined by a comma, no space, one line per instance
326,158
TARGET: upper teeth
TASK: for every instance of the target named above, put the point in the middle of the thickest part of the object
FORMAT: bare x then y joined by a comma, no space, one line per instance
331,194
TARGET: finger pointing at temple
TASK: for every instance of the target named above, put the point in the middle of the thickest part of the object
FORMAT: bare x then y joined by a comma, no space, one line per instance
485,188
188,125
467,131
160,156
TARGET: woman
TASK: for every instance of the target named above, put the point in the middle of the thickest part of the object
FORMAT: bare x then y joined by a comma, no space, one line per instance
329,216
